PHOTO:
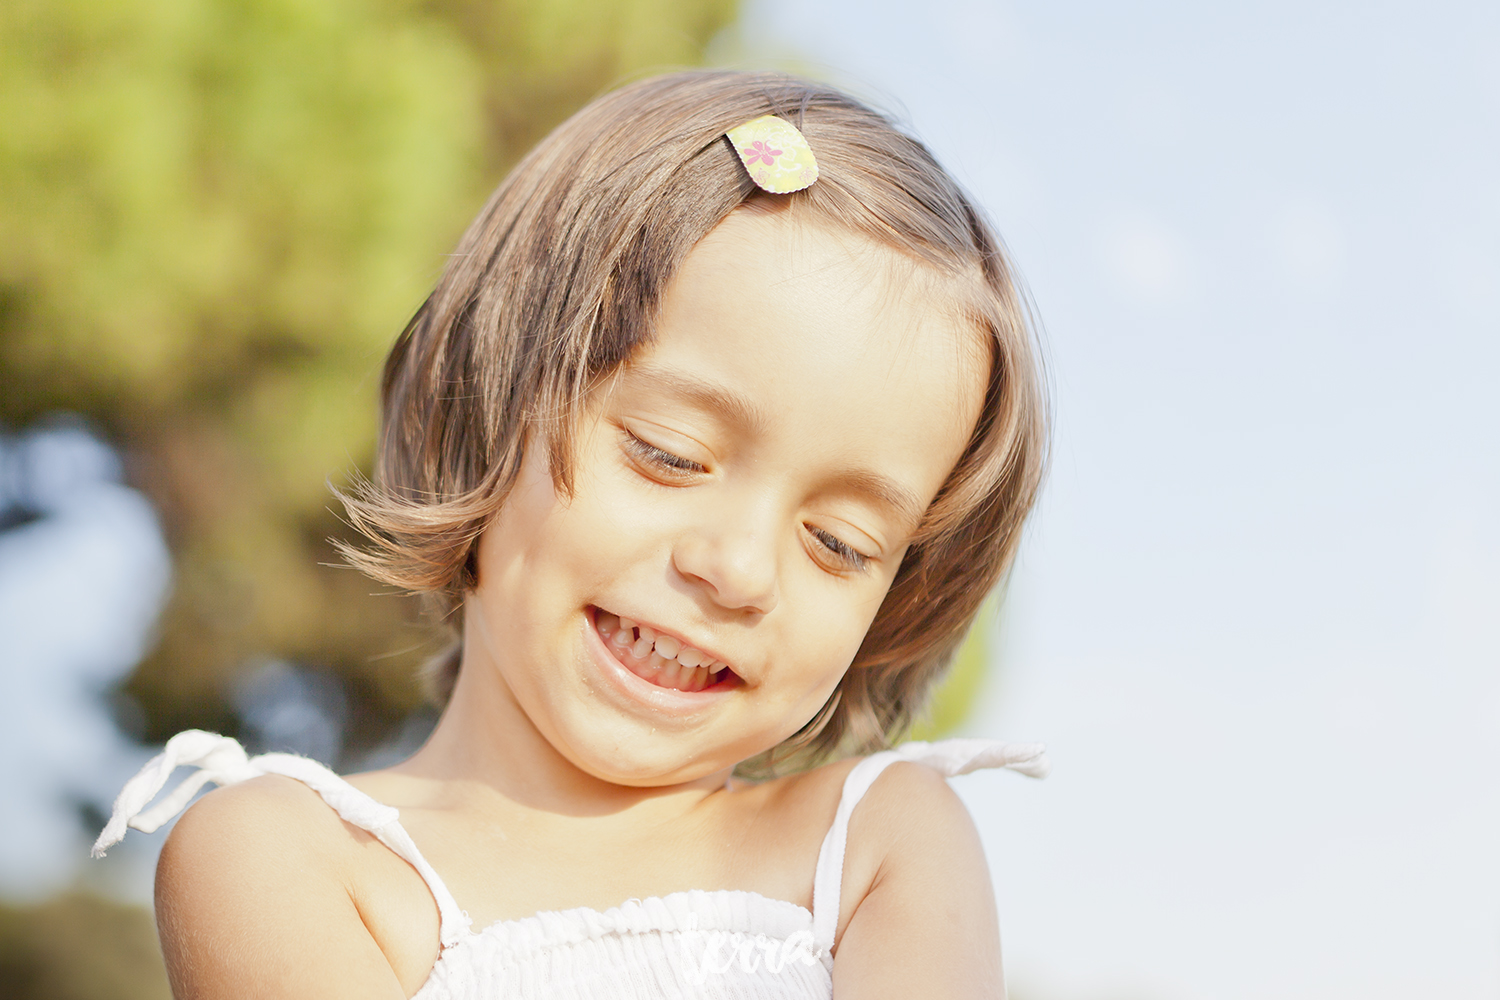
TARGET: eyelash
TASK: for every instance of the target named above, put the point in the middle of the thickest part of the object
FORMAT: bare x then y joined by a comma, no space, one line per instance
674,465
678,467
839,549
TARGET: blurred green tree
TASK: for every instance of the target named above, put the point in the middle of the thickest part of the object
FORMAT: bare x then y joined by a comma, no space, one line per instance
215,215
80,947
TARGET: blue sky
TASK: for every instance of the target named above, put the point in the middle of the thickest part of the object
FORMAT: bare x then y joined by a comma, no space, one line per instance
1258,616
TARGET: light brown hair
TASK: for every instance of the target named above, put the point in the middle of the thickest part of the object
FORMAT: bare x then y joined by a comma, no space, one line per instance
556,284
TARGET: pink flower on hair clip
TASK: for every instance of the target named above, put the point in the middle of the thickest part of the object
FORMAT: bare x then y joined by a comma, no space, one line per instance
759,150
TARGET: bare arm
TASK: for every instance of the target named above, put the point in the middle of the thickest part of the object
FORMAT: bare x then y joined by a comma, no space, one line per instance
927,925
252,901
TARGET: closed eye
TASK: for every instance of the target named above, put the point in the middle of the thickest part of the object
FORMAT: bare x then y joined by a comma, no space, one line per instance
660,459
841,551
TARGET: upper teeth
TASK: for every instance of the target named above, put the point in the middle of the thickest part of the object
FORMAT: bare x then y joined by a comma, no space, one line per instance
622,633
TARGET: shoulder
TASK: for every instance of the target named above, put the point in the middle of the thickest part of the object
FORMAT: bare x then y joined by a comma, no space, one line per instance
907,803
250,876
908,819
246,851
245,823
910,807
917,907
907,800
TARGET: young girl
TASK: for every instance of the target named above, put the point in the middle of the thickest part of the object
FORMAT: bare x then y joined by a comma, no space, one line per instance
713,479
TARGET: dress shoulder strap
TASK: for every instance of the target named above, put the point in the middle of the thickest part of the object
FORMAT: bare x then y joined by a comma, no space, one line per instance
224,762
949,757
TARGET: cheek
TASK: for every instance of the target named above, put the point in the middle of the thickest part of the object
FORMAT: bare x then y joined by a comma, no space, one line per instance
545,547
509,547
830,629
535,566
858,617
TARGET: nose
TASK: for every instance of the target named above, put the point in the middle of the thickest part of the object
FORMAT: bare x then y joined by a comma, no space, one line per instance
735,563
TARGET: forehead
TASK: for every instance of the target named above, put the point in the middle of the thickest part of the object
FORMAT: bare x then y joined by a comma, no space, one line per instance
841,351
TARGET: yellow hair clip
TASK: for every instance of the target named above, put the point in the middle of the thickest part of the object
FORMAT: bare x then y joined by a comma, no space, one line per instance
775,153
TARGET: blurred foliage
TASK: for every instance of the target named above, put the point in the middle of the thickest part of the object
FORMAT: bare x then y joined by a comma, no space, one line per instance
80,947
215,215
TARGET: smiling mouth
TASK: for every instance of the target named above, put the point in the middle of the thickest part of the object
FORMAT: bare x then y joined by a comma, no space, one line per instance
662,659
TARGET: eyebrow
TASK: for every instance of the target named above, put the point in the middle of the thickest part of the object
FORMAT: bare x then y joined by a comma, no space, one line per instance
885,491
736,408
706,395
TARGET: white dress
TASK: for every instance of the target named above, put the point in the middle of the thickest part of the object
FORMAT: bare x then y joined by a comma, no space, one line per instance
727,943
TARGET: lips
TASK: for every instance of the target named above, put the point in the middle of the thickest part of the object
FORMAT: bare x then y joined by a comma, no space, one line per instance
660,658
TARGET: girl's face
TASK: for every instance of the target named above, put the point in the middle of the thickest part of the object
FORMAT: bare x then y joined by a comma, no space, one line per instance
744,492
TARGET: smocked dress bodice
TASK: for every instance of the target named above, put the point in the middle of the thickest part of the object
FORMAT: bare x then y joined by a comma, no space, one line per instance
728,944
